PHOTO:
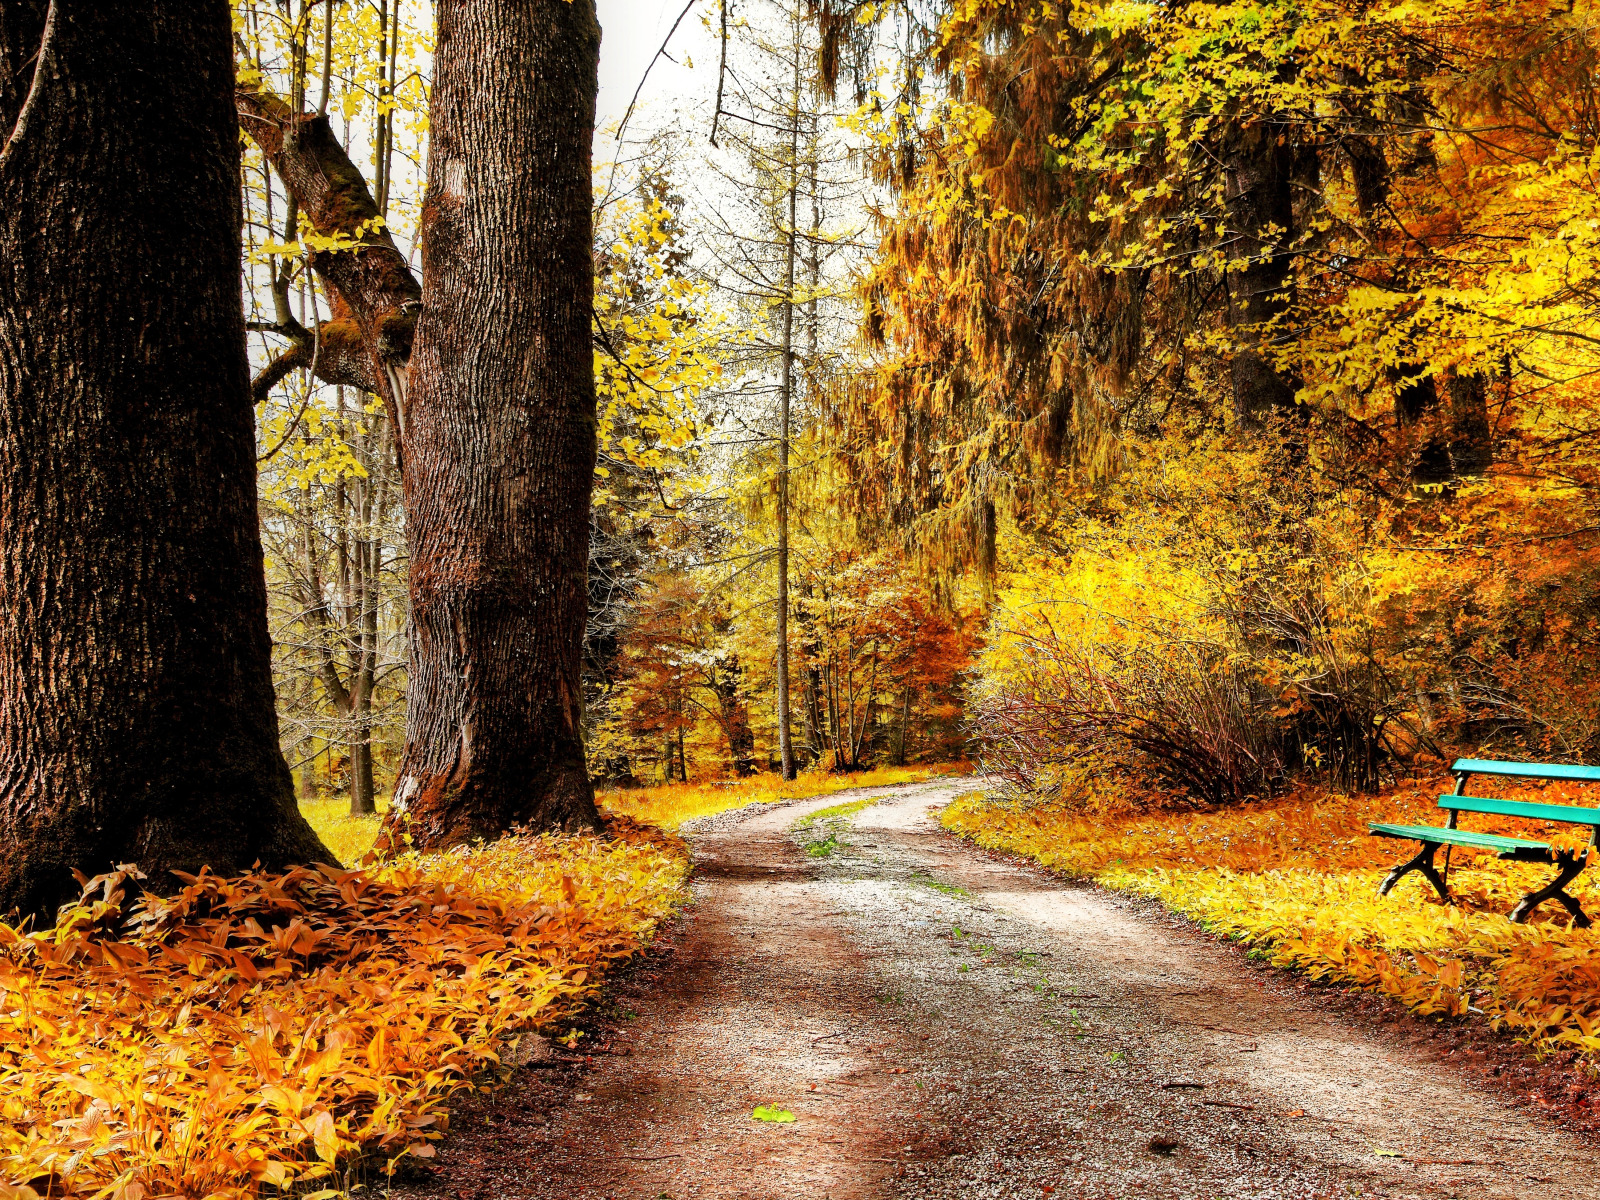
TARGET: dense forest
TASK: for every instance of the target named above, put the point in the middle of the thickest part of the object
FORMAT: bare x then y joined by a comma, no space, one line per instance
1193,399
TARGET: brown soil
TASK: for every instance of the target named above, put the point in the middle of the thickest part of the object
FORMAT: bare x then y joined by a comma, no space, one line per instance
945,1023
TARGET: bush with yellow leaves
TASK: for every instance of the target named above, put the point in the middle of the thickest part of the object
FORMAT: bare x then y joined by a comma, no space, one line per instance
1297,878
277,1030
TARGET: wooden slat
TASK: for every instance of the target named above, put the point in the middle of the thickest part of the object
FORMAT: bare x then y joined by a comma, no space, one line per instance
1569,813
1457,837
1489,766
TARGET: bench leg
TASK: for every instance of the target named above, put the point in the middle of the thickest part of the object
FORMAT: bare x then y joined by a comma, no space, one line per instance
1423,862
1570,865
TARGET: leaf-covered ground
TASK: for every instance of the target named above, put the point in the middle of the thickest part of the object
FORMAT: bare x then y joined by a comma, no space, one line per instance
276,1030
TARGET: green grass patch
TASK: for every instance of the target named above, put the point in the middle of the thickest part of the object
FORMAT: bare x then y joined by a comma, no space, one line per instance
825,826
948,889
833,812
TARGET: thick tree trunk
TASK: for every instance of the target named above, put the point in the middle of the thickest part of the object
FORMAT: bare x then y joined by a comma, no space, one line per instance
1260,229
499,444
137,719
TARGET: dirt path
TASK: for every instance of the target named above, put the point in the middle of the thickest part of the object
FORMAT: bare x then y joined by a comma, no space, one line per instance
944,1024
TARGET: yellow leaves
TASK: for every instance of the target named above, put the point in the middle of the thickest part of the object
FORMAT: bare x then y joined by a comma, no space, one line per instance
658,351
316,1015
1297,878
672,804
309,241
325,1136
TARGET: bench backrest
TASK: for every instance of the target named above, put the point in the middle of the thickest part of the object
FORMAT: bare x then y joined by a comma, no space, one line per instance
1522,808
1485,766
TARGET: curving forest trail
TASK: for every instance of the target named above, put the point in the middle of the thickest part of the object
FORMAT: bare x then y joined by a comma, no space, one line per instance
1065,1043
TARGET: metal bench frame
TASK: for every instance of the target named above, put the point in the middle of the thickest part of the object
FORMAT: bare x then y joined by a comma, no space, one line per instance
1569,863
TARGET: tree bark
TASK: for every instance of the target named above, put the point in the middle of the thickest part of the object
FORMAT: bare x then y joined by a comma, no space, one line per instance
499,445
1471,438
368,343
137,719
785,402
905,724
1260,227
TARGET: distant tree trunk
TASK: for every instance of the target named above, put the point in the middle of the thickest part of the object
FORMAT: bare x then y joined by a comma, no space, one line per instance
366,562
1449,440
785,403
1471,438
1260,223
813,678
137,719
735,717
499,442
905,725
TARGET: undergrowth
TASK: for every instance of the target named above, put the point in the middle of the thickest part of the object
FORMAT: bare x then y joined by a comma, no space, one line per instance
1297,880
289,1030
670,805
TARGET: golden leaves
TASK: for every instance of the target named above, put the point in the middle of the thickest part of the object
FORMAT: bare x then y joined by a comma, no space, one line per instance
262,1030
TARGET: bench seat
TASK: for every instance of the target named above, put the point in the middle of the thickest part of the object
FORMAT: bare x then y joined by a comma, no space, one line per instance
1506,846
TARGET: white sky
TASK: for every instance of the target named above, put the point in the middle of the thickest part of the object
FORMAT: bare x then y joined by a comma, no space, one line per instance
633,32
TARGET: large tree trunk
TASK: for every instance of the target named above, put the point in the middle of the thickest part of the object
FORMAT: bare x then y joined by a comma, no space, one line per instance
499,445
137,721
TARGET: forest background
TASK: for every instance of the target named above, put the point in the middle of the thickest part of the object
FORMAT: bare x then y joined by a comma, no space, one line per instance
1196,401
703,294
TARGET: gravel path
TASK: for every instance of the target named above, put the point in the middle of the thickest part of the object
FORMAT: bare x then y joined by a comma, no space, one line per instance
946,1024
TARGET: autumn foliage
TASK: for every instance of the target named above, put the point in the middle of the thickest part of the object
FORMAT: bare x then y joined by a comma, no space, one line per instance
288,1030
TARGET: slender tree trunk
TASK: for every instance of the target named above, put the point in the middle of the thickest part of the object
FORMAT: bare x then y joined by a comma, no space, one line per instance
835,724
786,396
868,702
363,792
813,716
849,706
905,724
500,439
137,719
1260,222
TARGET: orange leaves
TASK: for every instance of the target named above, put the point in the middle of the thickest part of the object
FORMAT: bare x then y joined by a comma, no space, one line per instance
259,1030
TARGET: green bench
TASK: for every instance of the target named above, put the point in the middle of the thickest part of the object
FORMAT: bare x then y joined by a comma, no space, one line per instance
1567,862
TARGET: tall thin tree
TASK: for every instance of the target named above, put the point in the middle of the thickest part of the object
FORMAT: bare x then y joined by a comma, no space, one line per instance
785,405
